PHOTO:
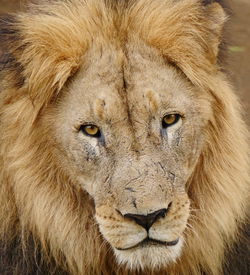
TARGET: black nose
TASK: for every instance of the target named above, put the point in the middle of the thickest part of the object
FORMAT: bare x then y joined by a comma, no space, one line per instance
147,221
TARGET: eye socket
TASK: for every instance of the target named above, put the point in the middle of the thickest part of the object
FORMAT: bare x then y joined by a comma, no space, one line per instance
91,130
170,119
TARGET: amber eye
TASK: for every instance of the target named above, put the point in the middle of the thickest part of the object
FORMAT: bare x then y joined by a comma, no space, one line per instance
91,130
170,119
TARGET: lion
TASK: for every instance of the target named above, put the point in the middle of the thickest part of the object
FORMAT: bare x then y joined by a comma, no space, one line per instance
122,149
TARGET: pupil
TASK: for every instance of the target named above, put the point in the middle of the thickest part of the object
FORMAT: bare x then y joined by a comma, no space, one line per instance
92,129
170,118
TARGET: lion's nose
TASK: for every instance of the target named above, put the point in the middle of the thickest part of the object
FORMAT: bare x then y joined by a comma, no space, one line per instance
147,221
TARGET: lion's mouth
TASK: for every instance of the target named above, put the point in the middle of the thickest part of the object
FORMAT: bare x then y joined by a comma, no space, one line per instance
148,241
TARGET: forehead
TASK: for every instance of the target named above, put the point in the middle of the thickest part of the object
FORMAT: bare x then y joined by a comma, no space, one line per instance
115,81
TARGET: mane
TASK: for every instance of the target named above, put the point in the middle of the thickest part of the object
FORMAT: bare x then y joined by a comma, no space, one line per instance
43,48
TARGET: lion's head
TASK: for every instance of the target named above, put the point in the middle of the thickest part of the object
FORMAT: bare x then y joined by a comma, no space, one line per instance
117,120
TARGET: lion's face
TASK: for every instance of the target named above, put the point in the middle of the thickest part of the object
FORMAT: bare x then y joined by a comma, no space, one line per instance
136,164
109,143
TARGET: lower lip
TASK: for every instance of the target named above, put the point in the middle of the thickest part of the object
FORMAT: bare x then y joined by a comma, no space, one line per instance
157,242
152,242
172,243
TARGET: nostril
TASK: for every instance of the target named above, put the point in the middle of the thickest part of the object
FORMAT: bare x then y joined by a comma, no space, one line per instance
146,221
159,214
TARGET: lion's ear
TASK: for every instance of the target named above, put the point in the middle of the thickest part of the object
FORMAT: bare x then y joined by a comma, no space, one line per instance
46,49
215,19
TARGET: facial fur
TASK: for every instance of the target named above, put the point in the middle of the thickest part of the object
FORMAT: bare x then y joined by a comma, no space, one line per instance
142,195
127,96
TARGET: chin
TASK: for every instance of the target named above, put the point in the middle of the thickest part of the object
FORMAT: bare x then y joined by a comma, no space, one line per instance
149,256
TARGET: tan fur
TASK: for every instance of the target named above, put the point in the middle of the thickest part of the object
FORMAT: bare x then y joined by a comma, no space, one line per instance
74,57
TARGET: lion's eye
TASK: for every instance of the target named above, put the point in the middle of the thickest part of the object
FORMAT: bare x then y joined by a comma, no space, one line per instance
170,119
91,130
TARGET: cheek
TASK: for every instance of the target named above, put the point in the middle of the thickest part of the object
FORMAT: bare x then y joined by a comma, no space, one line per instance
83,153
174,137
172,134
190,147
90,148
184,143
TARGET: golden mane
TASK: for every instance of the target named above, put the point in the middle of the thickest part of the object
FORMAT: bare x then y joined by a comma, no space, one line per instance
43,48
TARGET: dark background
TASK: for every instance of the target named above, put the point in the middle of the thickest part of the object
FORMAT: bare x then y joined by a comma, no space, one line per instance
238,51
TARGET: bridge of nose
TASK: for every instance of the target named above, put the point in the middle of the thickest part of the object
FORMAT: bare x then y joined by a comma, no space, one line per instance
140,185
